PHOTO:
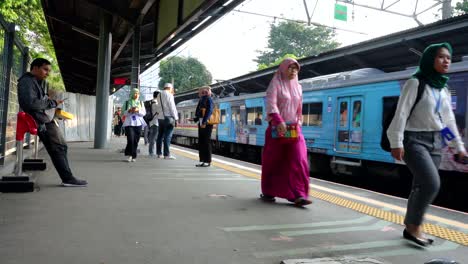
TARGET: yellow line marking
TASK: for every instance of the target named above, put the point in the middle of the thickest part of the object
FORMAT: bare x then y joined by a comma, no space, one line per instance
435,230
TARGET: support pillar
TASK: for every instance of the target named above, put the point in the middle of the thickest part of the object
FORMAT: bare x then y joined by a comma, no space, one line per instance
103,81
446,9
136,57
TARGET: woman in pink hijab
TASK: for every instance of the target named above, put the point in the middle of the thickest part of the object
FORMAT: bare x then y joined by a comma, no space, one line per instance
285,170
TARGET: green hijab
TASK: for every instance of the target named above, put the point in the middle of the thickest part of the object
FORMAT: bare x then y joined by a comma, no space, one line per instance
426,69
132,102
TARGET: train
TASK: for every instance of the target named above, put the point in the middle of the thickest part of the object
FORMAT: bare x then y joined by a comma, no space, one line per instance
343,115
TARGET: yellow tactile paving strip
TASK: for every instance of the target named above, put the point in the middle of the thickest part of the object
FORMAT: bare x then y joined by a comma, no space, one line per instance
435,230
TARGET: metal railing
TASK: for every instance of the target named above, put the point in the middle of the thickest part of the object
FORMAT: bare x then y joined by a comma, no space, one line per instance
14,58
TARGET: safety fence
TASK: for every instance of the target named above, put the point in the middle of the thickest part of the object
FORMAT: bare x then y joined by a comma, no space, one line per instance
14,62
14,58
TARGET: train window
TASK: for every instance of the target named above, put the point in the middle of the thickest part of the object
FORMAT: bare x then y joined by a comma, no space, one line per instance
312,114
254,116
223,116
357,114
343,114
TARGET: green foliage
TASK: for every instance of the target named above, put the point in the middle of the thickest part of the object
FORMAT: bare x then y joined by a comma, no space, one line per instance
277,62
33,32
461,8
188,73
294,38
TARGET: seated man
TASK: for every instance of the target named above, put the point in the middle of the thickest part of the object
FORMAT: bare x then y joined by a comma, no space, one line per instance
34,101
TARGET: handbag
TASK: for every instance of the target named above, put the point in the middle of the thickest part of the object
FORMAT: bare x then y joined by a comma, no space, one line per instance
215,115
291,132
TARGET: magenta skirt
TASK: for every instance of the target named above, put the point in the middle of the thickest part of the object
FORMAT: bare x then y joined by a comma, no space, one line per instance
285,169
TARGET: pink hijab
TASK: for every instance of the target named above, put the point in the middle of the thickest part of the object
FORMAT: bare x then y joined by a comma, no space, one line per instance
284,96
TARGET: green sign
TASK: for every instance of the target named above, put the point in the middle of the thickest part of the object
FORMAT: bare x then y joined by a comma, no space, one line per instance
341,12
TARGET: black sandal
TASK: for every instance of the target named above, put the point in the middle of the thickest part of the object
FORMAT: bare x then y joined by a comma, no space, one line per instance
302,202
420,241
267,198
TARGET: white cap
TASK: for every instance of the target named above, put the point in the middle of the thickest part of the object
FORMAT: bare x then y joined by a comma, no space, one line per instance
168,85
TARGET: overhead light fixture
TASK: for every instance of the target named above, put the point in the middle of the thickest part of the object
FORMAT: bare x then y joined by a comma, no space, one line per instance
159,55
175,43
201,23
227,3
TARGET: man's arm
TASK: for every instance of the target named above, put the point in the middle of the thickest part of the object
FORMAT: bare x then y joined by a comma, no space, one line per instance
28,99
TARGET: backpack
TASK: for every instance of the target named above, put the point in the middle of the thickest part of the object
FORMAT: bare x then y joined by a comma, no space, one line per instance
387,120
149,111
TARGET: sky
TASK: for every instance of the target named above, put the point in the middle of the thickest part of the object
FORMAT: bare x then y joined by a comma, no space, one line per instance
228,47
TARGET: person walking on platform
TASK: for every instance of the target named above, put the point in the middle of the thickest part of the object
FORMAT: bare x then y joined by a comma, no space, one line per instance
285,169
33,100
155,107
416,137
117,122
166,124
202,115
134,111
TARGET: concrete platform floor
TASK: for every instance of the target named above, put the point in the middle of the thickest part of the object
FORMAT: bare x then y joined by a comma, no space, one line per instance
168,211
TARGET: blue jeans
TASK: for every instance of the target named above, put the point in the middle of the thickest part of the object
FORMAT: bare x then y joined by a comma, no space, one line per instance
152,135
165,134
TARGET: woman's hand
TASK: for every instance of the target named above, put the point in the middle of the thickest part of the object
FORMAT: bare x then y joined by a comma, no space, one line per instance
398,153
281,128
203,125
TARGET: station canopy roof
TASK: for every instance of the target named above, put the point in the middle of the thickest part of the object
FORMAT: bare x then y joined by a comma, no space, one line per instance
165,25
390,53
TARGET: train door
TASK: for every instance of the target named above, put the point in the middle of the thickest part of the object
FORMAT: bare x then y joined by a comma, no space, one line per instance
349,124
235,122
224,127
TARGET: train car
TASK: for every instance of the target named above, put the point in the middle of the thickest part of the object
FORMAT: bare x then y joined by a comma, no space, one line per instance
342,120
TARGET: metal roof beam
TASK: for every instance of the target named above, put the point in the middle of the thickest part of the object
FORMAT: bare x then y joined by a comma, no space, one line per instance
111,8
73,25
140,18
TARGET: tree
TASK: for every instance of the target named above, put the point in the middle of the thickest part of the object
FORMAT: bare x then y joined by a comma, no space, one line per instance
188,73
33,32
294,38
461,8
276,62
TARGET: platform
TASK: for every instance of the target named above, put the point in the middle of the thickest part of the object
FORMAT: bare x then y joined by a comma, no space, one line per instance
168,211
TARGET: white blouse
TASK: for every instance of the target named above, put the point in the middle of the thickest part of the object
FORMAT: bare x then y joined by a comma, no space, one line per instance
424,116
135,119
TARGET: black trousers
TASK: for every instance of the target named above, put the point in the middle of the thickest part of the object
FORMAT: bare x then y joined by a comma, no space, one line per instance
57,148
204,143
133,136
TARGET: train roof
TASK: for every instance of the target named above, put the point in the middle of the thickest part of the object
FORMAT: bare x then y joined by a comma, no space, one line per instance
391,53
344,79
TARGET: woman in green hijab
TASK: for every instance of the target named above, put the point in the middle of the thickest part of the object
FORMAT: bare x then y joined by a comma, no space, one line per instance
416,137
134,123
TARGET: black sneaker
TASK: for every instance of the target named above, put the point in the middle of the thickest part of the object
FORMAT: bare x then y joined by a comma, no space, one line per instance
75,183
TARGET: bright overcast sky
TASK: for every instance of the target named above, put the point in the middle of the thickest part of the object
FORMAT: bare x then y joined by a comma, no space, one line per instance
228,47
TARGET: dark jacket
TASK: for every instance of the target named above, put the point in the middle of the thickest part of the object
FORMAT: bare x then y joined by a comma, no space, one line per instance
32,98
207,103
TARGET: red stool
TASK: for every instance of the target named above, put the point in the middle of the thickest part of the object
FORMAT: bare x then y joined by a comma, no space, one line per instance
19,182
28,124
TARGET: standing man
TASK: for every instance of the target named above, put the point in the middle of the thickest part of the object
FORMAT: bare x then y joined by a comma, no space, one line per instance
153,124
166,124
34,101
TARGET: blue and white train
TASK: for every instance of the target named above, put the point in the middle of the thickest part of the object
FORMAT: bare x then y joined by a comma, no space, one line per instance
342,120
